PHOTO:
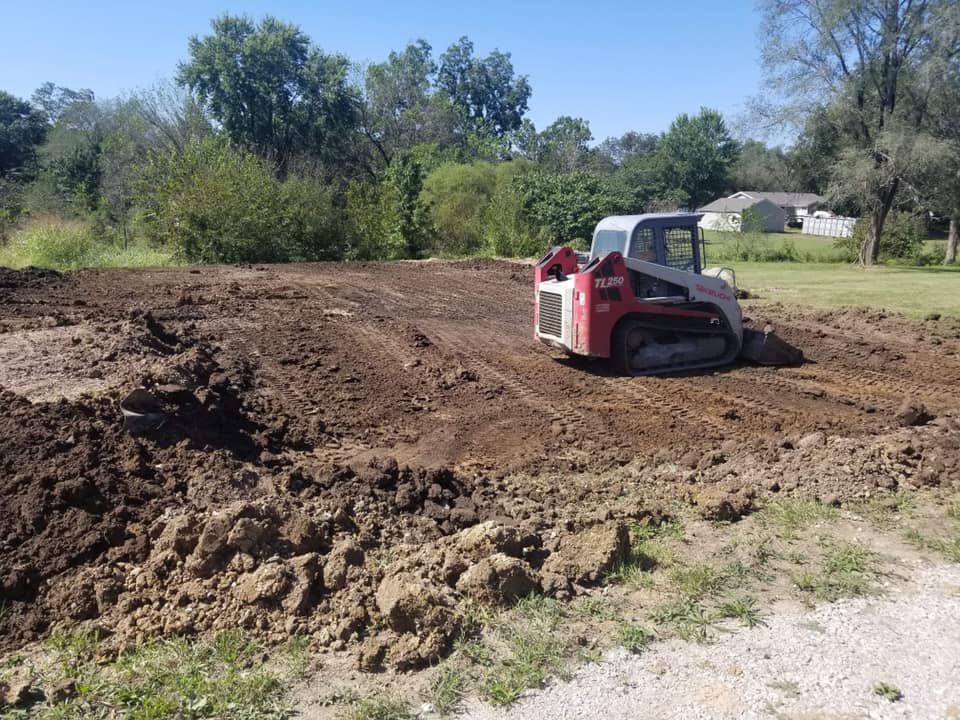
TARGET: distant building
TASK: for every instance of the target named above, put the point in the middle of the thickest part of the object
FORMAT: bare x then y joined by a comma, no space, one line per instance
795,206
726,214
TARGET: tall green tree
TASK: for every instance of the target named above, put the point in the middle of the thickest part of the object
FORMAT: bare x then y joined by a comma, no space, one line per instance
22,129
492,97
876,65
764,168
695,157
400,109
271,89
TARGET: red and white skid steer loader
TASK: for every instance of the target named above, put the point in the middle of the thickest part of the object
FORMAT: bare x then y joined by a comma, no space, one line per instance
642,299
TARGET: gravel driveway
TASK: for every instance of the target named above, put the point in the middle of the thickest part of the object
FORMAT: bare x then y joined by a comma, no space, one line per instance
823,662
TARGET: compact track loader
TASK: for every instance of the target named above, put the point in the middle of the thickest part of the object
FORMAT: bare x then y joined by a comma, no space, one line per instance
642,299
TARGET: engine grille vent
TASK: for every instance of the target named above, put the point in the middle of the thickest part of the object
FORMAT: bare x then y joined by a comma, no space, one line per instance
551,314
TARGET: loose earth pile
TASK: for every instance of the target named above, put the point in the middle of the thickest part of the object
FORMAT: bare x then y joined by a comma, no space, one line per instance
353,453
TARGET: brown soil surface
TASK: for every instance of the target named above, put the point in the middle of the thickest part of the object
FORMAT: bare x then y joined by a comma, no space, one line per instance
287,489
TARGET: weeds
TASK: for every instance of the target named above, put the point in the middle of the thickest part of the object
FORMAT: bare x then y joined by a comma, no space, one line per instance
633,637
697,580
743,609
845,571
794,514
532,657
888,692
685,618
948,548
446,691
376,709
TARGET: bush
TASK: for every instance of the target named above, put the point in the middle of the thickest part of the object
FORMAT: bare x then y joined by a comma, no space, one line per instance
902,238
374,215
458,199
214,203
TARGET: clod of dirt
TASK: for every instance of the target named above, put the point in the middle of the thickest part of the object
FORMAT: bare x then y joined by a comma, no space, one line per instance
725,502
422,616
344,555
584,557
27,277
498,580
492,537
813,440
15,692
61,691
912,414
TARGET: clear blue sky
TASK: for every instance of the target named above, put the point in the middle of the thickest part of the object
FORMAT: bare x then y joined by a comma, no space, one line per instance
620,65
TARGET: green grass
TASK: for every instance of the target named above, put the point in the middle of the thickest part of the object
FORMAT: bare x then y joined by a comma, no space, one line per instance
888,692
71,244
171,678
791,515
376,709
685,618
743,609
446,691
790,246
846,570
634,638
912,291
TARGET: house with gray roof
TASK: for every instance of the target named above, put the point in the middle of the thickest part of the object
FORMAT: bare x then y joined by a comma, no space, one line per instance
727,214
795,206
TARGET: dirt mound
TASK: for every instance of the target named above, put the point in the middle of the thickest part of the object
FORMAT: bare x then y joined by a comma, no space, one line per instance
354,453
27,277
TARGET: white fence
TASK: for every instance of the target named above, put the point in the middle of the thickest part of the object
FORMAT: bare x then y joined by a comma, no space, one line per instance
828,226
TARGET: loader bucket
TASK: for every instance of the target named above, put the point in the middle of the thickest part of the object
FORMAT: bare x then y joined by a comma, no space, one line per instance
765,347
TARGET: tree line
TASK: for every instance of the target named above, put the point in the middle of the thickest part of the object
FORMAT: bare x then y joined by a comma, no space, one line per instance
265,147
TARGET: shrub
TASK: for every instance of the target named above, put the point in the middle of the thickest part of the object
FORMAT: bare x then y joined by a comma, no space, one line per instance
215,203
374,216
902,238
458,199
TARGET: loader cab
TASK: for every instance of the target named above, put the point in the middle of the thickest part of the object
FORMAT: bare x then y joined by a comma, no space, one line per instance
669,239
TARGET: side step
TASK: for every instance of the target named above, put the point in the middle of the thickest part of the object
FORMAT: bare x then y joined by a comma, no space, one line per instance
765,347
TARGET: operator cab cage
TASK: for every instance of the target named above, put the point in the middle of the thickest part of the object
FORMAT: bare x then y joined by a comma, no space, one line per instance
670,239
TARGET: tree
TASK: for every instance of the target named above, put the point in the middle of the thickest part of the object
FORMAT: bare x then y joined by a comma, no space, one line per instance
273,92
695,157
400,109
761,168
22,129
171,115
566,206
492,98
630,144
874,63
563,146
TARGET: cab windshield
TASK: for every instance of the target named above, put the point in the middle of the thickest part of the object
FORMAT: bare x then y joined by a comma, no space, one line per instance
607,241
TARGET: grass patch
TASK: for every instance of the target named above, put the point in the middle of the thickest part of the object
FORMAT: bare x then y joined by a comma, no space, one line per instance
521,649
949,547
446,691
532,656
72,244
697,580
846,570
686,618
909,290
633,637
376,709
649,549
743,609
169,678
888,692
794,514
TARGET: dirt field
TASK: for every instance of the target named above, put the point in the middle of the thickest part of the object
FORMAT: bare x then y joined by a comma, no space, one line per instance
351,450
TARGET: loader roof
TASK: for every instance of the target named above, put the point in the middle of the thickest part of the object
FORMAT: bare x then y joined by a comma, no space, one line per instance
629,222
